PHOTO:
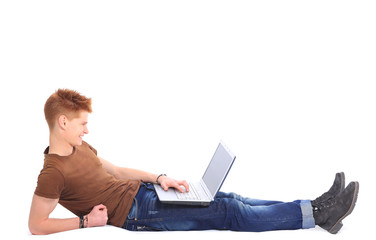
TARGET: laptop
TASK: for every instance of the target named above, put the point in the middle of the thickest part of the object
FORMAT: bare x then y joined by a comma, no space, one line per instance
202,193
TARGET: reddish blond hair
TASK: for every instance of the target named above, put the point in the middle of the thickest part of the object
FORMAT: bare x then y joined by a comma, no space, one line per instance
65,102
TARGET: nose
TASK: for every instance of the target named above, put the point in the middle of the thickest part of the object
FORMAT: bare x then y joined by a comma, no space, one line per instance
86,130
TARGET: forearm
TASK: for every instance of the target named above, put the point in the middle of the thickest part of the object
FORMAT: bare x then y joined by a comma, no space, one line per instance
135,174
122,173
162,179
52,225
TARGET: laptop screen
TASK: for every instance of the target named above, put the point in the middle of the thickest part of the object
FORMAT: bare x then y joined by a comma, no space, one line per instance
218,168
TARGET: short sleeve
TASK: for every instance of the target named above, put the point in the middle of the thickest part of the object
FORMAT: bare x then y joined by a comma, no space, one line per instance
50,183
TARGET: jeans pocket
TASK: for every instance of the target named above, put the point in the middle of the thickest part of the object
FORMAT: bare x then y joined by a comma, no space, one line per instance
132,215
149,186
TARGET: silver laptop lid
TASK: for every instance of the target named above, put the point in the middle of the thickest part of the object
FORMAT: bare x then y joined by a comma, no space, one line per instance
218,168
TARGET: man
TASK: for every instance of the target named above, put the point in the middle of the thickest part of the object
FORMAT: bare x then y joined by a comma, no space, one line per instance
101,193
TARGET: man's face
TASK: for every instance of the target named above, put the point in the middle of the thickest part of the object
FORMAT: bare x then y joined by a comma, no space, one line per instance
77,128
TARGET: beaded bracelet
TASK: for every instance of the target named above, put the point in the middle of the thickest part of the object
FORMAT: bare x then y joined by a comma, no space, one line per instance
81,224
83,219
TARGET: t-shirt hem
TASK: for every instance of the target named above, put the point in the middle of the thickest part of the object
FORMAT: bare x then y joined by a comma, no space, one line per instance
120,224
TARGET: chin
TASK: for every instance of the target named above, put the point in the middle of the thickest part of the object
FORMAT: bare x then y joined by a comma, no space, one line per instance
79,142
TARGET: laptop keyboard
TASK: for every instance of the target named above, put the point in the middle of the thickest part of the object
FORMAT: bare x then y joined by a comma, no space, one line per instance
191,195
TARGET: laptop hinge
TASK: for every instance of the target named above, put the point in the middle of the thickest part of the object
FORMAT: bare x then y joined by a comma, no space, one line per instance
207,192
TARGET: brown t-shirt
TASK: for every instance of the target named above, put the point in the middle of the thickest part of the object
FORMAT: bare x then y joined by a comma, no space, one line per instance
80,182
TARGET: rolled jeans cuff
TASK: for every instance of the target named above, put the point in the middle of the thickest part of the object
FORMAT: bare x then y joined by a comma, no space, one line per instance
307,214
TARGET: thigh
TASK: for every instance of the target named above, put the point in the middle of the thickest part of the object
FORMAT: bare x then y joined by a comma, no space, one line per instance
247,201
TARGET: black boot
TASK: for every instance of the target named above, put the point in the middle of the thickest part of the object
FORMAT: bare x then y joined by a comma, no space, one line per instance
329,214
337,187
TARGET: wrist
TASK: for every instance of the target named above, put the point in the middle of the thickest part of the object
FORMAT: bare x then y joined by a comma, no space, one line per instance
84,221
159,178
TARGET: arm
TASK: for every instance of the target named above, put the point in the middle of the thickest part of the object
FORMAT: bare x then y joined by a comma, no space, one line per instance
40,223
134,174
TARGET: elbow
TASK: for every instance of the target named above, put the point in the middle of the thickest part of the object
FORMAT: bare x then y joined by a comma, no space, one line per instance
34,230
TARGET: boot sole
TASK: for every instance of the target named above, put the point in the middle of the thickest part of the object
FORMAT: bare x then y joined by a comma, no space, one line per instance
336,227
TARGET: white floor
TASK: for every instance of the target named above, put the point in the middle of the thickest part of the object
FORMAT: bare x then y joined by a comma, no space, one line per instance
288,85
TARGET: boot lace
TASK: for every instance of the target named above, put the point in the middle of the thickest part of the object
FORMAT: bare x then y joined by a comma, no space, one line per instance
318,206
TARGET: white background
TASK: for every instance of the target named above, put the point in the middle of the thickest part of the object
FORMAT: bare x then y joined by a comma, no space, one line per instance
288,85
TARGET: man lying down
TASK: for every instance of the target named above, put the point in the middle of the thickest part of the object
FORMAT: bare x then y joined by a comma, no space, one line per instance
100,193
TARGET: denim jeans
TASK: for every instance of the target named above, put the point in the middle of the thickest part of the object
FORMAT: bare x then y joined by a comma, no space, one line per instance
228,211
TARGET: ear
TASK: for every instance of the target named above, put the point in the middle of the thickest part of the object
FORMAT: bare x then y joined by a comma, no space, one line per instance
62,122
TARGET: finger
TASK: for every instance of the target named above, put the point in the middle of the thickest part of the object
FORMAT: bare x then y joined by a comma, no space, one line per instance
186,185
181,189
178,187
97,207
164,186
100,207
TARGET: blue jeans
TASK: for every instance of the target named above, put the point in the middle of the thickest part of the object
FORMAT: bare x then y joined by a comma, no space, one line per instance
228,211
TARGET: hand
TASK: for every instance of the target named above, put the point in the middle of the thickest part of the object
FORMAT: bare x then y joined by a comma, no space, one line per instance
98,216
167,182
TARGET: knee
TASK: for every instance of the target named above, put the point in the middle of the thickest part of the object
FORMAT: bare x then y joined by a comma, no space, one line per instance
229,195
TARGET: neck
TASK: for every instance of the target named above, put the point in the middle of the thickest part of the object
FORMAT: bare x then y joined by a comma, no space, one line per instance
59,146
